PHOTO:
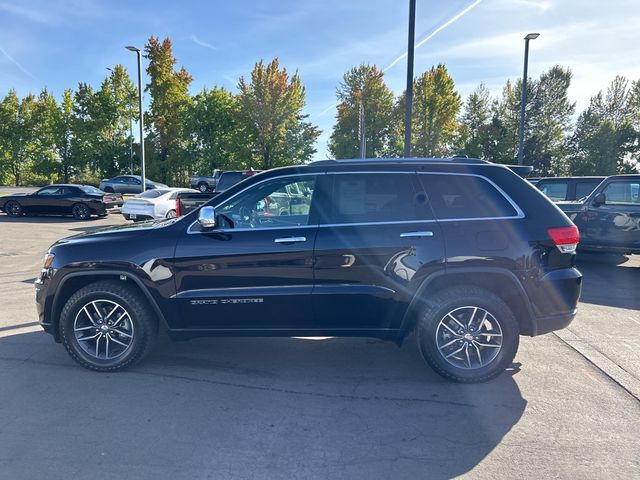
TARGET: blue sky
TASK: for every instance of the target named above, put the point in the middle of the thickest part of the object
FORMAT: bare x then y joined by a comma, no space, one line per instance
57,43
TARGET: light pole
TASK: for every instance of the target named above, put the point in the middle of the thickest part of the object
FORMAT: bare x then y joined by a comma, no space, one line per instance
523,100
137,50
409,95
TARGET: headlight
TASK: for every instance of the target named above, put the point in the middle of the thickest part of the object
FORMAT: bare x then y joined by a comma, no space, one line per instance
48,260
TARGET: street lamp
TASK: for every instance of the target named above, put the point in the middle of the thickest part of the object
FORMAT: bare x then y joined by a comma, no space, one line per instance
530,36
409,94
137,50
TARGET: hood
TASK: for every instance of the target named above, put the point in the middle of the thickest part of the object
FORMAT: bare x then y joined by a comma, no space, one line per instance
119,231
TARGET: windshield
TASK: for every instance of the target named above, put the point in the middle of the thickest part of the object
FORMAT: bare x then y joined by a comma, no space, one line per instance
153,193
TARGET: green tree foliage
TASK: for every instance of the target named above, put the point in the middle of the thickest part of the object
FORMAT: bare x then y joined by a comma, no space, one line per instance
474,122
168,112
435,110
215,133
271,113
548,119
364,85
605,140
18,134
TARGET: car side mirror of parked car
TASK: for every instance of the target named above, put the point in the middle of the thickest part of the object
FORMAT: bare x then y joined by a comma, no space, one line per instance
599,199
207,217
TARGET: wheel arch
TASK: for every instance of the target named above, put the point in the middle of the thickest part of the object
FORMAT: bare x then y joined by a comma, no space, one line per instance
501,282
76,280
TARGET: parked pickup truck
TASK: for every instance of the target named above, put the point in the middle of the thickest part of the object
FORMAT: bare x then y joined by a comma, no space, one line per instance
189,201
609,218
220,180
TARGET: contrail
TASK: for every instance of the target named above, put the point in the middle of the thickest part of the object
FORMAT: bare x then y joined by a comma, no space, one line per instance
15,62
453,19
202,43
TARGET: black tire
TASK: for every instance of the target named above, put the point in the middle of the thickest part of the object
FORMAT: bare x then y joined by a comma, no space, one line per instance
80,211
203,187
459,301
13,209
171,214
144,325
109,190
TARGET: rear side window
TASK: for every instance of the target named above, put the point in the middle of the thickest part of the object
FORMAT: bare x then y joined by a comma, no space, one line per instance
376,197
622,193
556,191
465,197
583,189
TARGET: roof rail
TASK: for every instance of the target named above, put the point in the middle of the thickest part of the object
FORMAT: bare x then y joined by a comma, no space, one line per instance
356,161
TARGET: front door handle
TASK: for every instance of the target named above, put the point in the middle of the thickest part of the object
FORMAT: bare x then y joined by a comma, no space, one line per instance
290,240
416,234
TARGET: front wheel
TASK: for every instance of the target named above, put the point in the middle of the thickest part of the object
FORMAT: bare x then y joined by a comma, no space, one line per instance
107,326
467,334
203,187
80,211
13,209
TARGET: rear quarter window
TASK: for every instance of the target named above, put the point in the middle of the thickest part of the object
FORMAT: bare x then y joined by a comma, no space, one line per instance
465,197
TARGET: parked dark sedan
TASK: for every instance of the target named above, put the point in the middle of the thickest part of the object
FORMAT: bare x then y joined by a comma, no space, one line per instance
128,184
81,201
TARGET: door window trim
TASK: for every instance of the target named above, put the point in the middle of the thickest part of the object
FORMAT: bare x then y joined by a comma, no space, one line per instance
231,230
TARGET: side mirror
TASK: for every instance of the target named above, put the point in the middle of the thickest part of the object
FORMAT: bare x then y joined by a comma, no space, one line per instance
207,217
599,199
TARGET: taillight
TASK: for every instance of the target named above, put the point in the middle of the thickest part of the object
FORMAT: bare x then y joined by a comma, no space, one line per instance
565,238
178,207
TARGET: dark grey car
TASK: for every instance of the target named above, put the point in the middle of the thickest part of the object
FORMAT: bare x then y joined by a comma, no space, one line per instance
128,184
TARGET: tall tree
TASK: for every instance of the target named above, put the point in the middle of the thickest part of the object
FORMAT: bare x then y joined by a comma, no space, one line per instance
474,122
363,85
215,133
435,110
64,134
271,107
18,134
170,99
548,122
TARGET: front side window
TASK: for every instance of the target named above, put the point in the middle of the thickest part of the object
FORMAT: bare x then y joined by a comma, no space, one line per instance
375,197
583,189
281,202
622,193
556,191
49,191
465,197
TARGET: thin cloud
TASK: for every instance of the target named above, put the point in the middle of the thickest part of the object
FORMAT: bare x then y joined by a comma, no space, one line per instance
452,20
449,22
17,64
202,43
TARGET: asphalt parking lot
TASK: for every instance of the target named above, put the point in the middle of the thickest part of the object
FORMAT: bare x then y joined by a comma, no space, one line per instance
325,408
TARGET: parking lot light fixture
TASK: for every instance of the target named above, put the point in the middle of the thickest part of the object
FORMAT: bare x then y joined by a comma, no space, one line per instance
523,101
140,120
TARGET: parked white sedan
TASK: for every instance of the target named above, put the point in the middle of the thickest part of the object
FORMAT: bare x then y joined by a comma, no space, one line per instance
153,204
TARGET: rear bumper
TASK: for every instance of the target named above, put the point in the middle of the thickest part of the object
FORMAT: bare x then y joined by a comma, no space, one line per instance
555,300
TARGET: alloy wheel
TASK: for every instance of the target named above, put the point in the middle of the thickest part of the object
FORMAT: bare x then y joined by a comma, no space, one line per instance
103,329
469,337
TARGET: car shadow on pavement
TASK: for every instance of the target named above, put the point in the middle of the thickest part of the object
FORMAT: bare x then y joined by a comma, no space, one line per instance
279,407
37,219
609,280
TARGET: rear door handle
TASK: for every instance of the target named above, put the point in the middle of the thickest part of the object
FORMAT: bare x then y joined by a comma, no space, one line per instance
416,234
290,240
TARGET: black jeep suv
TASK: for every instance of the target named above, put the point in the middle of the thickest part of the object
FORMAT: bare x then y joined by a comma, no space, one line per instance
464,252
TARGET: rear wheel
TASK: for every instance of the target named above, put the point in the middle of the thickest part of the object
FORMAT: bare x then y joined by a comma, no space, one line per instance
107,326
467,334
13,209
203,187
80,211
171,214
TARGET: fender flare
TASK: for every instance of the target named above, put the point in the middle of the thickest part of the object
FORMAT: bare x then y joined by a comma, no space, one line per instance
86,273
409,318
